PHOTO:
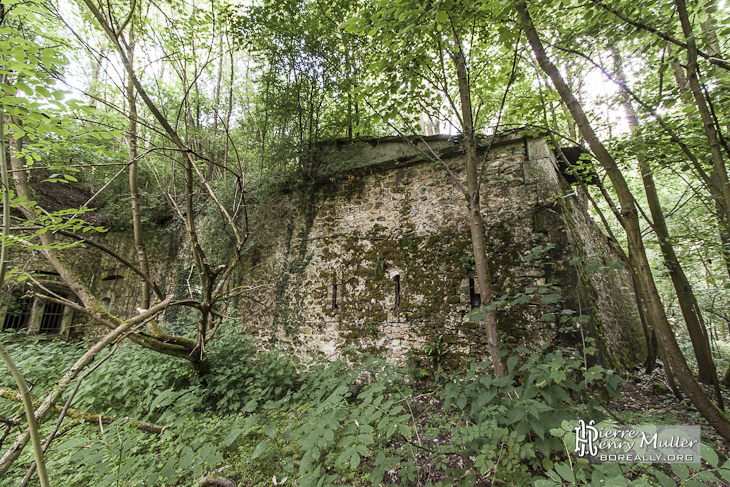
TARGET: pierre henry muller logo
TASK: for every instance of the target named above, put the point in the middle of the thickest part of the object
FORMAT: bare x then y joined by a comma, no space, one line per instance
586,436
639,443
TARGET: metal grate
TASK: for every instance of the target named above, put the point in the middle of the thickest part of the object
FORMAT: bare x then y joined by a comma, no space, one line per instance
18,315
52,318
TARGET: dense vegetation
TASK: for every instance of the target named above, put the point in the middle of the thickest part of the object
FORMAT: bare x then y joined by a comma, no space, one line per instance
268,420
183,117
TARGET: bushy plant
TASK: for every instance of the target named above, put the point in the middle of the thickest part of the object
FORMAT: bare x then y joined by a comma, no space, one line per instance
241,378
42,361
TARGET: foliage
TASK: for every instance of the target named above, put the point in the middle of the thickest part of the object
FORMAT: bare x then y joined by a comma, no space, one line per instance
331,421
328,423
42,361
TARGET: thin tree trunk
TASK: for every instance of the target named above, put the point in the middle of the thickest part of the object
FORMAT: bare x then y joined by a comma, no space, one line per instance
719,175
720,207
687,300
216,101
637,253
95,75
476,222
24,392
229,111
135,198
651,341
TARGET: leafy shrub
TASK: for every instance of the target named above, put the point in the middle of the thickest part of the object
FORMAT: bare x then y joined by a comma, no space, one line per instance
128,383
508,421
41,361
240,378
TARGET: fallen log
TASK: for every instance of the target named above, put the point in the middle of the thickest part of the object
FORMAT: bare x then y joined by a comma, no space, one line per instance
213,481
14,396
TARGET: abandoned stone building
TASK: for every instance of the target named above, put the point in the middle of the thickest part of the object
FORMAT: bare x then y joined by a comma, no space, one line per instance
375,255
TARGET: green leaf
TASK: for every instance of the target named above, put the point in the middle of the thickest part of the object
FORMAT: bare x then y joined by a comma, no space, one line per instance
169,469
515,414
24,88
708,454
550,299
512,361
345,442
72,443
366,439
680,470
328,435
546,483
354,460
260,448
250,406
565,472
186,458
725,471
232,436
538,428
664,479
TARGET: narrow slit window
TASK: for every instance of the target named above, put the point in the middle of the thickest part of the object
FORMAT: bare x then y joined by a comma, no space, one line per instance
17,316
396,279
52,318
474,298
334,292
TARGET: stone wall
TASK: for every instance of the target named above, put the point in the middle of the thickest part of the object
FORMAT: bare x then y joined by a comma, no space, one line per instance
377,257
117,287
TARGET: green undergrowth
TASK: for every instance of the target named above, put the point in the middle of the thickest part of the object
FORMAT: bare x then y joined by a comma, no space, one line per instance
264,418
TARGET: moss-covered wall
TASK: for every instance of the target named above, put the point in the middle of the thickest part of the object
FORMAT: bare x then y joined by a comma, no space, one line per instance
116,286
377,257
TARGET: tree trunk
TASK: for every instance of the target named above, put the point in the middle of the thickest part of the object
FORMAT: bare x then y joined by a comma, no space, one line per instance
229,111
476,223
135,199
216,101
719,174
686,297
637,253
95,75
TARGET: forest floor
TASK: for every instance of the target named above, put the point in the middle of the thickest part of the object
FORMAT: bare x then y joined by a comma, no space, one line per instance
646,398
